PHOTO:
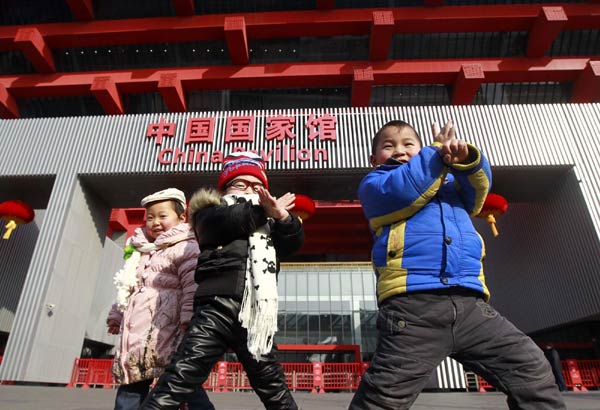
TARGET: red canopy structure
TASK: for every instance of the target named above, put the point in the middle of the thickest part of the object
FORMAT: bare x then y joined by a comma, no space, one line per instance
15,212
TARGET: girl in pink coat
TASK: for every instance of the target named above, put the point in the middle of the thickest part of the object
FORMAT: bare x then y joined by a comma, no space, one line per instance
155,299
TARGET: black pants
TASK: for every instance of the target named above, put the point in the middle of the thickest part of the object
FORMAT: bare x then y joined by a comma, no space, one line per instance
213,329
417,331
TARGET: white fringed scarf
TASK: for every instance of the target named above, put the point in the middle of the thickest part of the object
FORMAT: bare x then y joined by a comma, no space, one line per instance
258,313
126,279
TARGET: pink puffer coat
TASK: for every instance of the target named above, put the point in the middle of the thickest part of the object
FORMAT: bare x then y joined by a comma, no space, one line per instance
160,304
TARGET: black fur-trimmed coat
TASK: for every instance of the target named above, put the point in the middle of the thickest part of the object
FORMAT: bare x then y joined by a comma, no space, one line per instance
222,232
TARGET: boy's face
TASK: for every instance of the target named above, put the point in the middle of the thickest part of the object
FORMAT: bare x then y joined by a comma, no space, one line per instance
160,217
243,184
399,143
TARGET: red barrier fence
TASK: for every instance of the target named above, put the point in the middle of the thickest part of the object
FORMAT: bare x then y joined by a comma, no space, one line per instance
230,376
97,373
579,375
92,372
299,376
484,386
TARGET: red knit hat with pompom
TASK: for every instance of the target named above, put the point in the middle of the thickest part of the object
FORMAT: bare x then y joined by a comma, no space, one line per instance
242,163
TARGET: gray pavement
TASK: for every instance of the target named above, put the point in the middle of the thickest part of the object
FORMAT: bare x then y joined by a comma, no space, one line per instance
60,398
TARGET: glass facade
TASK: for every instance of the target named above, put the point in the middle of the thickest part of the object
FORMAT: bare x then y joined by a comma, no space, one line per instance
327,303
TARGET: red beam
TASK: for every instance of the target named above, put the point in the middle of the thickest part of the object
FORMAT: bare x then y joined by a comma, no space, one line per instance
382,29
125,219
467,84
288,75
172,92
105,90
32,44
81,9
516,17
587,86
184,7
8,104
237,40
546,28
294,75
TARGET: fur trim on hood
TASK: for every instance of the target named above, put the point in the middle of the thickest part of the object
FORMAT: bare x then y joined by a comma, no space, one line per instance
203,198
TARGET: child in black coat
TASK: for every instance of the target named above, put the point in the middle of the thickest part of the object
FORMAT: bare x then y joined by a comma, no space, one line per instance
242,230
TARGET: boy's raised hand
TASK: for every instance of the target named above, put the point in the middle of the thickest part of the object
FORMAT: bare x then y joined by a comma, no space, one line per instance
453,151
276,208
445,134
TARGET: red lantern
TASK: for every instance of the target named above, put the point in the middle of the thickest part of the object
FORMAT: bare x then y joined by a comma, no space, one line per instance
16,213
304,207
493,206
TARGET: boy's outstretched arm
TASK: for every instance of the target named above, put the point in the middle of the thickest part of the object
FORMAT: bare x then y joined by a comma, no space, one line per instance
473,179
473,176
392,193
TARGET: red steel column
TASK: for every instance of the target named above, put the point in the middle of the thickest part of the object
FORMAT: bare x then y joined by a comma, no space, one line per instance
587,86
237,39
467,84
382,29
545,29
362,83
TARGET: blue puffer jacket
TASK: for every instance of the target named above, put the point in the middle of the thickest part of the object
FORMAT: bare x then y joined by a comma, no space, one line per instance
419,214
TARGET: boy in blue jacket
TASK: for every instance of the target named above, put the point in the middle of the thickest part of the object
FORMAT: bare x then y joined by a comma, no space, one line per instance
431,289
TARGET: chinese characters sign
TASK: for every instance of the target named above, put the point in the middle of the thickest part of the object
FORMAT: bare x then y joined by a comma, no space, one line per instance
240,134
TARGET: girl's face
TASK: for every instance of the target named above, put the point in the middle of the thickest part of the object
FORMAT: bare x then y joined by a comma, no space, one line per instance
160,217
399,143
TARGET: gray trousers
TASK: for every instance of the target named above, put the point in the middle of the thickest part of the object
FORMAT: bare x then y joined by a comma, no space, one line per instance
418,330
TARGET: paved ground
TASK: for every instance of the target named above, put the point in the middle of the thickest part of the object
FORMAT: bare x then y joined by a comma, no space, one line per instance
60,398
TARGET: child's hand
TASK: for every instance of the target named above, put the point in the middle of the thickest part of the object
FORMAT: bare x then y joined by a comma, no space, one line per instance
445,134
276,208
454,151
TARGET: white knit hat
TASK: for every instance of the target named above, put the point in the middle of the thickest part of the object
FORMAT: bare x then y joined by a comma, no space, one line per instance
165,195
